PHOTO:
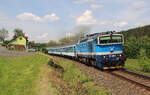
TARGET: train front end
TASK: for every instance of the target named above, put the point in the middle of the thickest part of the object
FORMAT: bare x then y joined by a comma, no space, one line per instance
109,51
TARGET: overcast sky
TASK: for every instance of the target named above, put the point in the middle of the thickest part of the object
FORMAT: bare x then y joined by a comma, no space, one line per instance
44,20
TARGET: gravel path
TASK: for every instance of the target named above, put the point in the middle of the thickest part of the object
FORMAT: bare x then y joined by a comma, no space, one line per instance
112,83
6,53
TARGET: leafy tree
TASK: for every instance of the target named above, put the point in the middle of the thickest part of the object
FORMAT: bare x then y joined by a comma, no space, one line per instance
18,32
52,43
144,61
135,39
3,34
72,39
31,44
65,40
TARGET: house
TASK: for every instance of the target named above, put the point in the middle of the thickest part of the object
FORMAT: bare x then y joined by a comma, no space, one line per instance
18,43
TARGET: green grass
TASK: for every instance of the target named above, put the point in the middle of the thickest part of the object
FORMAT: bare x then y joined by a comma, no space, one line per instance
18,75
76,78
133,65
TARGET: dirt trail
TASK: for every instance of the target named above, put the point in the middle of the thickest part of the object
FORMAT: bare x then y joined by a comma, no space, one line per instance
51,82
44,84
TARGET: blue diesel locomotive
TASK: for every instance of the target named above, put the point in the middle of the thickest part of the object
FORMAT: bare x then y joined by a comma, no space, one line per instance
102,50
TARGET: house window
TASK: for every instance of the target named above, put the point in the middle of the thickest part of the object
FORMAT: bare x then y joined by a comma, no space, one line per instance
20,38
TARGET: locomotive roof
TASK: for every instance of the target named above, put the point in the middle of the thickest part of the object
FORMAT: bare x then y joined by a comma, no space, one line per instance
61,47
95,35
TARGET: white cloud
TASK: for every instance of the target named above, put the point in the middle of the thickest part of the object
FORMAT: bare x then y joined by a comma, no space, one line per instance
31,17
120,24
51,17
86,18
69,34
112,23
84,1
94,6
139,5
43,36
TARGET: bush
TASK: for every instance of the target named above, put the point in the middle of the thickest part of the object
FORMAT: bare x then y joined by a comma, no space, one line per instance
144,61
134,45
44,50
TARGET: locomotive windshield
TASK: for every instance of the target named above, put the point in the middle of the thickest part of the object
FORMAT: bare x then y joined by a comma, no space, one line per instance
112,39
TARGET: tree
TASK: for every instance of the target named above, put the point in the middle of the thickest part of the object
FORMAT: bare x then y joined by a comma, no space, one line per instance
3,34
144,61
64,40
18,32
52,43
72,39
31,44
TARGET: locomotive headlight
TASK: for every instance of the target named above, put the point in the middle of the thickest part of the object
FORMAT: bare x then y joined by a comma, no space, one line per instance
120,55
104,56
113,55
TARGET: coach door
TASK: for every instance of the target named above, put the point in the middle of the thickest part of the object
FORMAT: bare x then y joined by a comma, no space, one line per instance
90,48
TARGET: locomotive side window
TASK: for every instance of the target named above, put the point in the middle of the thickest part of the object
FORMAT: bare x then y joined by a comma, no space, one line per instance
105,40
116,39
110,39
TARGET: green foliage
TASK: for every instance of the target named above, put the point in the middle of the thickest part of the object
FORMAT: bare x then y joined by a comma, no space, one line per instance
135,39
6,41
133,46
52,43
133,65
18,32
144,61
72,39
3,34
44,50
31,44
137,32
66,40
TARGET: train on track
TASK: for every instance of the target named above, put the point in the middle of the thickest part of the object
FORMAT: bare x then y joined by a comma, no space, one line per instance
102,50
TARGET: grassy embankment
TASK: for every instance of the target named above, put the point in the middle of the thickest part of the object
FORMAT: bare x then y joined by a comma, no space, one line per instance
134,65
31,75
18,76
79,83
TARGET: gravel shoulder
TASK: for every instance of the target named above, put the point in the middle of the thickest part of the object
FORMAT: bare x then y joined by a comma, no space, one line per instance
7,53
112,83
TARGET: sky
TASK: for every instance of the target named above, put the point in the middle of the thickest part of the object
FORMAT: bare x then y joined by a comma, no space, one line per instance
44,20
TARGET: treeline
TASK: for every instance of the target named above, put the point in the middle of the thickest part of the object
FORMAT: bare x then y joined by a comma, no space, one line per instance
137,39
61,42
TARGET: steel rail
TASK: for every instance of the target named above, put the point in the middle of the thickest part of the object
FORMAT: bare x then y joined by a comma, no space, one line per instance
124,78
129,80
135,74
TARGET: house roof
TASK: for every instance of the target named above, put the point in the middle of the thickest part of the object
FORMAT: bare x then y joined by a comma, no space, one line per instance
15,37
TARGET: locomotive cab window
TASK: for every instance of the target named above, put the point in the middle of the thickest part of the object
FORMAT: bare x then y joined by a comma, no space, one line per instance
112,39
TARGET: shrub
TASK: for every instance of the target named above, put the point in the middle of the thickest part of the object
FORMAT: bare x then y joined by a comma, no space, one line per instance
144,61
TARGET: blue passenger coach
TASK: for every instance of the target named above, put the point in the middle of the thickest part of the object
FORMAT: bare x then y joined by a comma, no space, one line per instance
102,50
68,51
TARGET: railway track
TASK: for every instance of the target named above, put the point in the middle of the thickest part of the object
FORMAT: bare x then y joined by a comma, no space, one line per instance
132,77
135,74
120,85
